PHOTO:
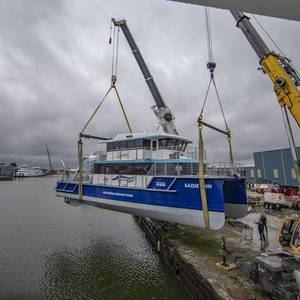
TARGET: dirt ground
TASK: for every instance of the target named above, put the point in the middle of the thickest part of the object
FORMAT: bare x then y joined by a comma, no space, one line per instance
202,248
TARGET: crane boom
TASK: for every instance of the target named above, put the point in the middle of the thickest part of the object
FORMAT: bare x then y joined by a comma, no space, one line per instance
162,112
284,77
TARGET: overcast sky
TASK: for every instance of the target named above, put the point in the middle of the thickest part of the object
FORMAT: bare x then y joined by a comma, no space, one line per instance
55,65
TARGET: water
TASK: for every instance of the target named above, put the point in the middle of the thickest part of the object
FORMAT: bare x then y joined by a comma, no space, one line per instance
50,250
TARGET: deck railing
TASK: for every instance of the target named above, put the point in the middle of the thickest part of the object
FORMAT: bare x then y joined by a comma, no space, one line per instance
170,152
192,168
159,169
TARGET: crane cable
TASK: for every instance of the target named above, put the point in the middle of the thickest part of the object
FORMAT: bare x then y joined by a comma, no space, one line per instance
211,65
285,117
114,71
114,40
274,43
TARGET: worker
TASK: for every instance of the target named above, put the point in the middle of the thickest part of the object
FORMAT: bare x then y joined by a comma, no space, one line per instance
260,227
263,219
286,233
178,169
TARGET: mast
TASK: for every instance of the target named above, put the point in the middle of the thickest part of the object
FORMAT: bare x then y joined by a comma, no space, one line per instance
49,158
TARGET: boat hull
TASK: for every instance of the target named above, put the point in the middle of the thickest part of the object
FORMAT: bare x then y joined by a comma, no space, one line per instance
169,199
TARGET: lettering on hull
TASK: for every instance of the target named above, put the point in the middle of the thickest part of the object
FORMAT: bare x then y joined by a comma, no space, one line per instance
196,186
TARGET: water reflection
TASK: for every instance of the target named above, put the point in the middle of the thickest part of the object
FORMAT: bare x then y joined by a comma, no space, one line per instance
105,271
52,251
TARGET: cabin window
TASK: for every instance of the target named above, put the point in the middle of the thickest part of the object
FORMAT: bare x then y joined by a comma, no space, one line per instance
154,145
133,169
130,144
172,144
251,173
146,144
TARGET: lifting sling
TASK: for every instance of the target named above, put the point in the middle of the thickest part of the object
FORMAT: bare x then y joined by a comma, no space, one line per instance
115,43
211,65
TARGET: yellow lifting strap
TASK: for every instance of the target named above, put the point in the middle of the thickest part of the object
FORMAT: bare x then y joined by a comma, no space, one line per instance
80,144
201,175
123,110
230,148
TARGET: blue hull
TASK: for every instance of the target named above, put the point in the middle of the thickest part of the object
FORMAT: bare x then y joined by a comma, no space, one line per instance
181,193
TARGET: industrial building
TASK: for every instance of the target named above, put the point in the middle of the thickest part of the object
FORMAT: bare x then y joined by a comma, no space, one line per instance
273,166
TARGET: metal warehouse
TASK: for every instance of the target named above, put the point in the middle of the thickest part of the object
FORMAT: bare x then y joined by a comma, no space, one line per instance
273,166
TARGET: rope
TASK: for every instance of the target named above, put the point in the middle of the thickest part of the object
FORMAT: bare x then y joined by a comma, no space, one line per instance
211,65
117,53
113,52
95,111
219,100
123,110
206,95
268,35
275,44
208,34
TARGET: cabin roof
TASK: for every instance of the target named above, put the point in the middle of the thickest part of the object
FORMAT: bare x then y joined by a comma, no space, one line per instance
147,136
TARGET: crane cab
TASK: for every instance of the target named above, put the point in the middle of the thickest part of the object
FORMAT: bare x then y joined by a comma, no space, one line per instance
289,235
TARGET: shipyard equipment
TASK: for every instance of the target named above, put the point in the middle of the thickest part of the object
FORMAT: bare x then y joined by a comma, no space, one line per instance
289,234
162,112
284,76
288,9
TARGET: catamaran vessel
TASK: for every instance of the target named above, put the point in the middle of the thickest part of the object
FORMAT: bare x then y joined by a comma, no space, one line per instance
156,175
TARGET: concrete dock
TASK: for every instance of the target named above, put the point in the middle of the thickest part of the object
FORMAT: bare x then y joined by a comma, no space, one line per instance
193,255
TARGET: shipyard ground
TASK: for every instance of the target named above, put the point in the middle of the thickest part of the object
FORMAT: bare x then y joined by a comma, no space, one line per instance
193,255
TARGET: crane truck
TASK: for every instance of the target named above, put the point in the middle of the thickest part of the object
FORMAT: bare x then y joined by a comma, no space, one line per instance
162,112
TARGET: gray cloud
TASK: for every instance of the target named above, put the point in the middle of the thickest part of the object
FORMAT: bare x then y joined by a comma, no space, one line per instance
55,65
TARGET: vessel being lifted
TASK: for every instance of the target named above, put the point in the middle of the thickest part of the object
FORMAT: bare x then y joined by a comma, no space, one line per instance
155,174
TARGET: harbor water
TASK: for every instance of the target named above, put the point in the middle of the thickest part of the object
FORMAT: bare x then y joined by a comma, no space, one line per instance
50,250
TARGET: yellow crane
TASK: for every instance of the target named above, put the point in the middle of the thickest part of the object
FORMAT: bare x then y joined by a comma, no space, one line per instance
285,78
286,82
